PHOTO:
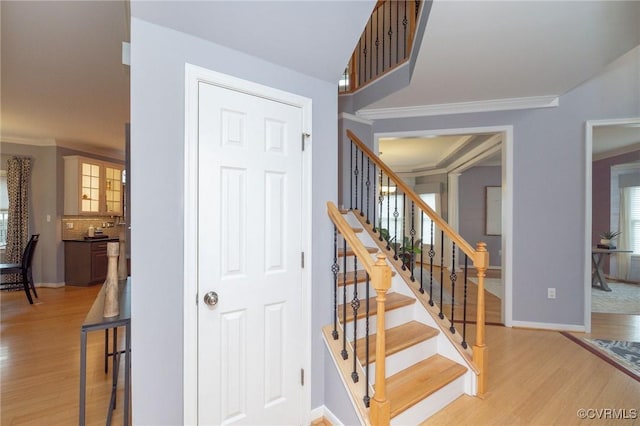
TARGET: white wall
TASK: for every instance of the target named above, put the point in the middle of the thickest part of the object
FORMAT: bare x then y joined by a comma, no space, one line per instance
158,57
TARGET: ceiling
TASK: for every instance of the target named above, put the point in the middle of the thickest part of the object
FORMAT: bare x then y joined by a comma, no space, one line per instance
63,81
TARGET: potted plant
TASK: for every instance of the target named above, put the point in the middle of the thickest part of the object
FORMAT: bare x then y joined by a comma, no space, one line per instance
607,237
405,251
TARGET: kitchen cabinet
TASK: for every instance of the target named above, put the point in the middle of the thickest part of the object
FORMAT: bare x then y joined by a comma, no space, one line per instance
85,261
92,187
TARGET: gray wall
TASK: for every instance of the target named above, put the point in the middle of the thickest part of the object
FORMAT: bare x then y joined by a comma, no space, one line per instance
48,257
548,186
472,204
158,57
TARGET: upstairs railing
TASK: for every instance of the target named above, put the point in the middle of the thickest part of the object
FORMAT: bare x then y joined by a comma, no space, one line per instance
409,228
377,273
385,43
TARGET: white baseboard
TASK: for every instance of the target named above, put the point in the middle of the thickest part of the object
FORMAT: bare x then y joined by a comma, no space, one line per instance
50,285
323,411
548,326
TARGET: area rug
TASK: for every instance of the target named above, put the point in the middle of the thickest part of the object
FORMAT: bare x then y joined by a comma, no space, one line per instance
622,299
492,285
625,356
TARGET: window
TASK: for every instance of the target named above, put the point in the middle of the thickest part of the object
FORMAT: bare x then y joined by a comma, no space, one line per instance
634,219
430,200
4,208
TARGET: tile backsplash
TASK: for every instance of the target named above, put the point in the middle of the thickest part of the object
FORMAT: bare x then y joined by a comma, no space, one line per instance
77,227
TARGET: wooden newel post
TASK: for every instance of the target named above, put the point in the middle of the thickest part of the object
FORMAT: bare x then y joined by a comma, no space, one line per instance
480,351
111,308
380,412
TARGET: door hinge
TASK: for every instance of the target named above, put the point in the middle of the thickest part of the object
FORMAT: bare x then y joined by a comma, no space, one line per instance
302,377
302,259
304,136
196,298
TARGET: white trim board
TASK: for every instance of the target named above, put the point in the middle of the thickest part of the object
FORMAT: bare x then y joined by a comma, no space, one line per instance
193,76
351,117
461,107
548,326
323,411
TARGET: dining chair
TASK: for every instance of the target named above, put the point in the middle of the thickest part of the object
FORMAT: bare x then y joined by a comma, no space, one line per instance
23,269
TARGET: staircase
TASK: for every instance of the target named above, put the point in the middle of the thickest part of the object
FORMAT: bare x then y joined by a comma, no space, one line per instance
401,358
421,377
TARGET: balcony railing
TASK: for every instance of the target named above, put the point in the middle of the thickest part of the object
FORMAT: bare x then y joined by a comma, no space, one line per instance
385,43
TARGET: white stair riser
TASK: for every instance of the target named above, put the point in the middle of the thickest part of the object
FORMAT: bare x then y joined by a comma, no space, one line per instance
350,263
431,405
362,294
393,318
407,357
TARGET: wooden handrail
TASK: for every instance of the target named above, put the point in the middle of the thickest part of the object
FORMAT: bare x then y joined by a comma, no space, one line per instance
380,274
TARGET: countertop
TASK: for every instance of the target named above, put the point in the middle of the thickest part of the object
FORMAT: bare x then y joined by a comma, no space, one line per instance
93,240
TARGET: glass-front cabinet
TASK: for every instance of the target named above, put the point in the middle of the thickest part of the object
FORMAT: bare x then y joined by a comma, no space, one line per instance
92,187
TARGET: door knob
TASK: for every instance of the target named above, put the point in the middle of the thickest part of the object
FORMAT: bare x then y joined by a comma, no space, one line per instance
211,298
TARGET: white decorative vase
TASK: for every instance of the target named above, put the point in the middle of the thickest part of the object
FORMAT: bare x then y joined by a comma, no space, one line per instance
111,306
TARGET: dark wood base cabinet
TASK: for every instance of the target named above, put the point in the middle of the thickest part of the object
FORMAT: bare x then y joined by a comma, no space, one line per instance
85,262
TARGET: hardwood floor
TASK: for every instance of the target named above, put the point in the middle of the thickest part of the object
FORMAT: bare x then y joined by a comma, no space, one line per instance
535,377
40,360
543,378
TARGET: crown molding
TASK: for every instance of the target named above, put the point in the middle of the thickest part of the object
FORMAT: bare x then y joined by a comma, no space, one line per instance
29,141
352,117
116,154
461,107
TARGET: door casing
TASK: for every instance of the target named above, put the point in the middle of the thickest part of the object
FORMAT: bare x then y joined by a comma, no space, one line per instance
193,76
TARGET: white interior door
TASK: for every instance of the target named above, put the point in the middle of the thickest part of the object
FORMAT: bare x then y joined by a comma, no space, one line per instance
250,344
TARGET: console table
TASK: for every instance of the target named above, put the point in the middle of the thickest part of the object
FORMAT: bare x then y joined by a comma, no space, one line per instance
94,321
597,258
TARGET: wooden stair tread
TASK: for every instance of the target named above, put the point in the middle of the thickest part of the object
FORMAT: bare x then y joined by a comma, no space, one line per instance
397,339
412,385
362,276
351,253
394,301
357,230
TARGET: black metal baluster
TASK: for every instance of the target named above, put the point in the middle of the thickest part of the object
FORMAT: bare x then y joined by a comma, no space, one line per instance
368,185
377,41
453,277
421,251
395,225
464,306
432,254
417,8
361,181
390,33
373,190
358,80
366,331
404,232
355,305
371,44
388,214
351,178
397,31
412,232
381,200
404,24
356,172
335,268
383,25
344,352
441,315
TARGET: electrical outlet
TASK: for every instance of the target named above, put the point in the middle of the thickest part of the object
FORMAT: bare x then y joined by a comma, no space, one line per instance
551,293
69,225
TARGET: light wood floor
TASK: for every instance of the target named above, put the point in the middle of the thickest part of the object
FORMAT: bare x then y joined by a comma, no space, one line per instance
543,378
40,360
535,377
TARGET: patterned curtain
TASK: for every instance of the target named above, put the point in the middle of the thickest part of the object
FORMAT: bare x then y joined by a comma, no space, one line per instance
19,189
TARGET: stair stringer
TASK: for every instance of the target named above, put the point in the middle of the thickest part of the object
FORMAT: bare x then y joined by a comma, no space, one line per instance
449,345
